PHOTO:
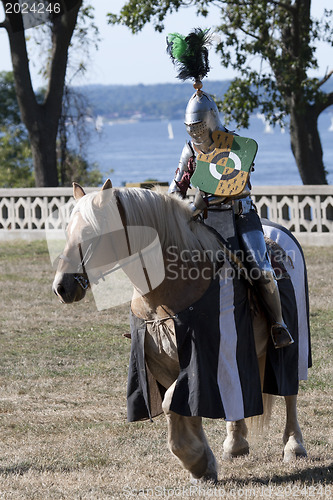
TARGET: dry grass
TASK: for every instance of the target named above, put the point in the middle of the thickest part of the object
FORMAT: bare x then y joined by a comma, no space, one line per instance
63,424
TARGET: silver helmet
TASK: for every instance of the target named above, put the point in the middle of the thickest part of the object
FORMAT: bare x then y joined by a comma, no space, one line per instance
201,119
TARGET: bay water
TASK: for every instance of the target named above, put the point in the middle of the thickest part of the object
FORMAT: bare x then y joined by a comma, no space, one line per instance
135,151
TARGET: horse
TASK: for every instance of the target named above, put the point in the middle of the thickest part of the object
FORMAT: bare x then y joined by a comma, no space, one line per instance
163,374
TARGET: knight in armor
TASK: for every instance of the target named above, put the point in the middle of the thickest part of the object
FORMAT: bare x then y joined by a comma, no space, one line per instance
201,121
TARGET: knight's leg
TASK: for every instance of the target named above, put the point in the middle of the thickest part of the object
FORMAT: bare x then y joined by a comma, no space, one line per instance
270,296
292,437
235,444
257,261
187,440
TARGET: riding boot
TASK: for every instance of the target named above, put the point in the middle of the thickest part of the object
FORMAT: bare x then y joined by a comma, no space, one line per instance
269,293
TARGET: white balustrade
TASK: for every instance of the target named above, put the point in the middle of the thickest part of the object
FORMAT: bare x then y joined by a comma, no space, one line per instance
307,211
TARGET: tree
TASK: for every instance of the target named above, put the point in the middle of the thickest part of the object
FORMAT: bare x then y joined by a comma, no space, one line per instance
41,118
72,125
283,35
16,166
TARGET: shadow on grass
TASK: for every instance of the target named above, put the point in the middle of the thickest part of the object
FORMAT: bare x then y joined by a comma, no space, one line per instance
23,468
309,476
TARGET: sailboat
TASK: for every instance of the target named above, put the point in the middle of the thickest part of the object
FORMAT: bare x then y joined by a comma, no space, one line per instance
170,131
99,123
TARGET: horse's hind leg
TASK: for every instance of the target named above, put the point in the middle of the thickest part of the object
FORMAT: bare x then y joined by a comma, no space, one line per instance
235,444
187,440
292,437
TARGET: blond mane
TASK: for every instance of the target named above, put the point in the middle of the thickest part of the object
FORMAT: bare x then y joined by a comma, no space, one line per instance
169,215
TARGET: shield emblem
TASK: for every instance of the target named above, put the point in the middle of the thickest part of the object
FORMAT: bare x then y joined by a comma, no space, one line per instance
225,171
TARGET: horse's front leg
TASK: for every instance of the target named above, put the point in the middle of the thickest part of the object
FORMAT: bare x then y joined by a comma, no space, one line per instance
235,444
187,440
292,437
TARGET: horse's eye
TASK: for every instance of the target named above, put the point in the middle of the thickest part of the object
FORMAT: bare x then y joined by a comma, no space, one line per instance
87,235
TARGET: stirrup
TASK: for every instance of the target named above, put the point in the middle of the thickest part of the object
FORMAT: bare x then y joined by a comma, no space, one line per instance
281,336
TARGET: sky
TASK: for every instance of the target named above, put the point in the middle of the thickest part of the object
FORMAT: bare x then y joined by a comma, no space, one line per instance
123,58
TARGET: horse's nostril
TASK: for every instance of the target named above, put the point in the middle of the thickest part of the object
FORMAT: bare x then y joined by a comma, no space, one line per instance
59,290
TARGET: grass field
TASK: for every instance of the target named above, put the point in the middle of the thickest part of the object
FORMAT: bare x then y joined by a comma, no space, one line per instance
63,374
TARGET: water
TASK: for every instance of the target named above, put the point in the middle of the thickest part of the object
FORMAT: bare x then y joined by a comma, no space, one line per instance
137,151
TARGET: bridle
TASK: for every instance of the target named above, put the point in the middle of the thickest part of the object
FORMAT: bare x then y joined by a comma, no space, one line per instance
82,277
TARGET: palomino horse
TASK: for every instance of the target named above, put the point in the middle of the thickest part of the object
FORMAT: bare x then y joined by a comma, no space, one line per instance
184,283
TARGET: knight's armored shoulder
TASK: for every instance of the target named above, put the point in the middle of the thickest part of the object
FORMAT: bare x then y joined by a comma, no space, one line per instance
187,153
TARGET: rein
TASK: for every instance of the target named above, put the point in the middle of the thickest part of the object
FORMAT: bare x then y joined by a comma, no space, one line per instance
82,278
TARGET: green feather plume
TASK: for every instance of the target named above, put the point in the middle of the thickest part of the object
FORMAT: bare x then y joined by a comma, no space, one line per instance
177,44
190,54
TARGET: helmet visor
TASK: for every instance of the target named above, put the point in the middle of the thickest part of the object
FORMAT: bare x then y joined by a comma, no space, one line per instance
198,131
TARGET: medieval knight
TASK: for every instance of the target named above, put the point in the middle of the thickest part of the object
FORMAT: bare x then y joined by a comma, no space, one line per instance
201,120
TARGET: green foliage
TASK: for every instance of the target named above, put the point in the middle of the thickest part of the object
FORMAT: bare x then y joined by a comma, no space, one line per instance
16,165
16,169
9,111
78,169
72,165
281,34
137,13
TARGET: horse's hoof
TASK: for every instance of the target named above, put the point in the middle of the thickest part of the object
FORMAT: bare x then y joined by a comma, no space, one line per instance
229,455
293,449
290,456
209,479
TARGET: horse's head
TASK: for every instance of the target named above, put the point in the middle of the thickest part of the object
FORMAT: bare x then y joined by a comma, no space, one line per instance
84,247
109,246
147,236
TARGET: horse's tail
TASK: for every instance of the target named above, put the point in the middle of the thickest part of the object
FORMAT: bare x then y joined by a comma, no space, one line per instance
257,424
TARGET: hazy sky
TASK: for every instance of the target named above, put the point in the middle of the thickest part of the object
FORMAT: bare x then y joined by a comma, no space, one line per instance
124,58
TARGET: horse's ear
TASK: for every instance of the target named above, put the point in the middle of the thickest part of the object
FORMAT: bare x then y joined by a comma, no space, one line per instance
107,185
78,191
104,195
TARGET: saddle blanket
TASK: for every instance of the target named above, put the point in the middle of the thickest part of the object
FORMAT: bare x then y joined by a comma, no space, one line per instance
218,375
286,367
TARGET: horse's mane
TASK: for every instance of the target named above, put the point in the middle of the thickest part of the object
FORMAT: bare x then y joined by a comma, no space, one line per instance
168,214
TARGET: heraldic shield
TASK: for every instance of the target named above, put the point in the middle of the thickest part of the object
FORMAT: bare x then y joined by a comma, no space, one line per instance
225,171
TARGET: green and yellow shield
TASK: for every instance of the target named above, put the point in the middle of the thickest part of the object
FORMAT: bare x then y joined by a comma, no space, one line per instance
225,171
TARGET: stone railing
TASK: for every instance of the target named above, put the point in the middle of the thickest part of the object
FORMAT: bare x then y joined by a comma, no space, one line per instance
306,210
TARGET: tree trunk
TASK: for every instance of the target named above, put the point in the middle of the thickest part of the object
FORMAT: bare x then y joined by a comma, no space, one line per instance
306,146
41,120
43,147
